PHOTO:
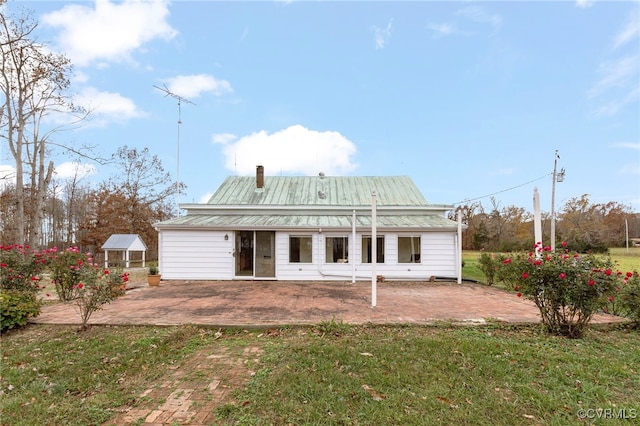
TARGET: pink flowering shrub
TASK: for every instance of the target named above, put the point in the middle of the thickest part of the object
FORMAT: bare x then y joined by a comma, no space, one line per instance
69,268
568,288
78,279
20,276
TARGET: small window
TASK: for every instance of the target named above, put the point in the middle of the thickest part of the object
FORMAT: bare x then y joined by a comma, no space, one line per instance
408,249
300,249
337,249
366,249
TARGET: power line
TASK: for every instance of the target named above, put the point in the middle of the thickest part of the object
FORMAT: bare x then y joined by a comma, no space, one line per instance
504,190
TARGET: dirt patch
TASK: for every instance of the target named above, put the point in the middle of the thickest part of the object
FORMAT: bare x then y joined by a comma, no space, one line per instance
192,391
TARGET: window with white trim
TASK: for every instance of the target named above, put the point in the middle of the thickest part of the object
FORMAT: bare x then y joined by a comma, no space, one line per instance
300,249
408,249
337,249
366,248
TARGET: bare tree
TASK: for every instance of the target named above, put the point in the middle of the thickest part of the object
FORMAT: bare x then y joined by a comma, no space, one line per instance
33,82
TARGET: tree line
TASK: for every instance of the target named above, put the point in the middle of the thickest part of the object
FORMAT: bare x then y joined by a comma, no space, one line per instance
584,225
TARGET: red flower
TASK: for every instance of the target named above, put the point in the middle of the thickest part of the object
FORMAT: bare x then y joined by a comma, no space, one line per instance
563,244
547,248
592,283
3,265
507,261
610,298
563,275
607,272
519,294
538,262
80,285
106,272
525,275
629,274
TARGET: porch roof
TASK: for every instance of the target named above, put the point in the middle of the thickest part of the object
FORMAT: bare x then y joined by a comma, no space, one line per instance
275,221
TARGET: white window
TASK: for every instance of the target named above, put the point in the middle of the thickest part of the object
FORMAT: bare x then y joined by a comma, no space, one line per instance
337,249
408,249
366,249
300,249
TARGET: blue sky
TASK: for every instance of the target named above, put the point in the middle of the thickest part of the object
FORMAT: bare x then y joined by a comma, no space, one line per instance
467,98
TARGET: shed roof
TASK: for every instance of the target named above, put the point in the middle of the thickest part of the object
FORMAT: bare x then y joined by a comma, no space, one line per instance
124,242
318,190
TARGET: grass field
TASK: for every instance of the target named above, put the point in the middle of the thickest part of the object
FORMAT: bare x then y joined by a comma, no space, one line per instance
329,374
626,260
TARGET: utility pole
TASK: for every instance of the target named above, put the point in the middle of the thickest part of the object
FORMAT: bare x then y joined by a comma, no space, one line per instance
180,99
557,176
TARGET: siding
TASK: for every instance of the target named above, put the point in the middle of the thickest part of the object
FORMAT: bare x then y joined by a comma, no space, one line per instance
196,255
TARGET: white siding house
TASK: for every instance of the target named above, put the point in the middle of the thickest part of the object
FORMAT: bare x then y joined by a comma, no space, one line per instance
302,228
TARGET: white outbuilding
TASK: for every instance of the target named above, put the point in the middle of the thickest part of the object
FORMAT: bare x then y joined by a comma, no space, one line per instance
123,245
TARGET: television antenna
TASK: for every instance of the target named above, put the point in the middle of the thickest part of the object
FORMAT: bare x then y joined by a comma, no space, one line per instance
180,100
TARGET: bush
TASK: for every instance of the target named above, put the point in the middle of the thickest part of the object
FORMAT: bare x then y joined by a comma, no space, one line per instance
20,269
567,288
16,308
489,264
92,294
68,269
626,301
20,276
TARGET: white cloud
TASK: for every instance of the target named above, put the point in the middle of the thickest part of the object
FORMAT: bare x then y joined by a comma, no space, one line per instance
192,86
294,150
223,138
71,168
441,30
110,31
205,198
616,74
630,32
584,3
479,15
106,106
628,145
382,35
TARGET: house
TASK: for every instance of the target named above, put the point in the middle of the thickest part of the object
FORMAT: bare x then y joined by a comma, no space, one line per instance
309,228
124,245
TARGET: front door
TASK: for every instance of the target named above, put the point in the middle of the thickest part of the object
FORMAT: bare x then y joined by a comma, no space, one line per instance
244,253
265,254
255,260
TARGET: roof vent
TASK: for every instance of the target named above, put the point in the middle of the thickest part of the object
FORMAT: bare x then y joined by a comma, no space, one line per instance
321,174
322,195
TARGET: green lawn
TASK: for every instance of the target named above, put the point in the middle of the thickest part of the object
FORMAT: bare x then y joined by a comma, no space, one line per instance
626,260
330,374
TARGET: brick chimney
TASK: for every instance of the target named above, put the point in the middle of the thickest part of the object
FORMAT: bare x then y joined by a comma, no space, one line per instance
259,177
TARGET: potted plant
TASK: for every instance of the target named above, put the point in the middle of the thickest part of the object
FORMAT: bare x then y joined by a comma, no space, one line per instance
153,277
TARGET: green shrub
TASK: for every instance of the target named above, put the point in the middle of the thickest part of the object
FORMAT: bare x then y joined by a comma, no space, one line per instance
489,264
20,268
16,307
627,300
568,288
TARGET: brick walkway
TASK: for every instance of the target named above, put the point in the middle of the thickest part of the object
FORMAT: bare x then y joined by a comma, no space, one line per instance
194,390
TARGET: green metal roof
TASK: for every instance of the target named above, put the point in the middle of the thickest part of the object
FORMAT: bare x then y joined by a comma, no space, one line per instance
324,202
319,190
